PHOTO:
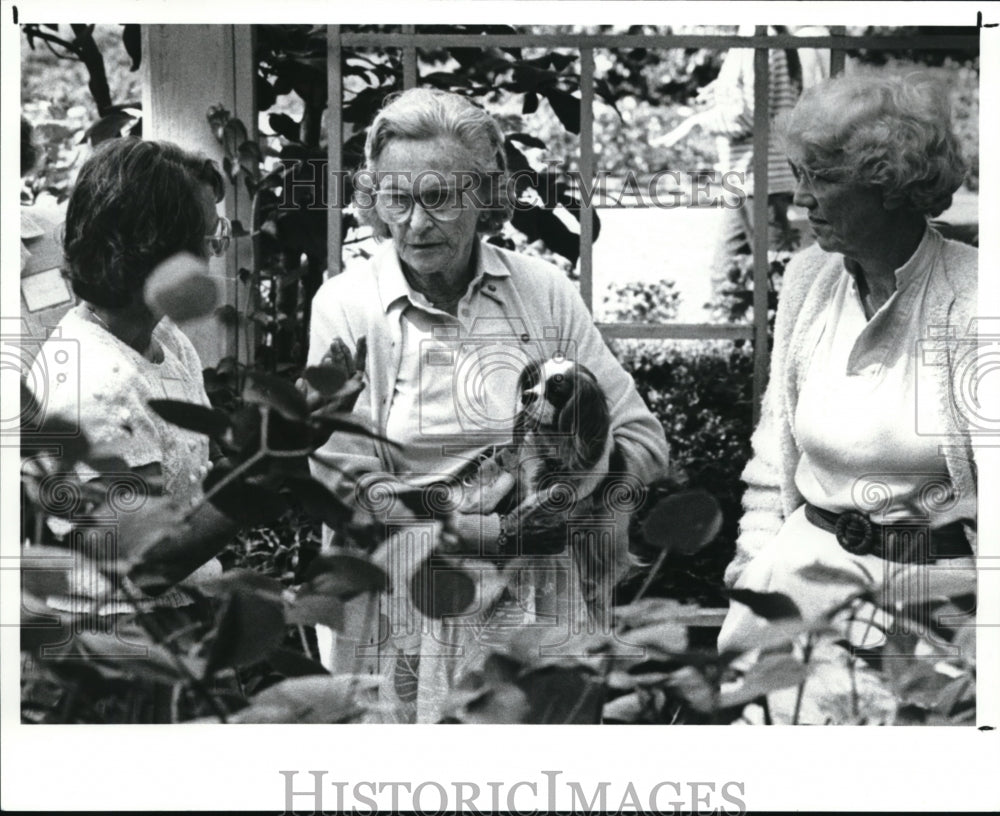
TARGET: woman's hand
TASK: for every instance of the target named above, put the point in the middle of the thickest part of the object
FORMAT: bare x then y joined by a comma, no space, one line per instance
337,380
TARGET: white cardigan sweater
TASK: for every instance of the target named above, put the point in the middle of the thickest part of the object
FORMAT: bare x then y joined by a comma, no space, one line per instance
771,495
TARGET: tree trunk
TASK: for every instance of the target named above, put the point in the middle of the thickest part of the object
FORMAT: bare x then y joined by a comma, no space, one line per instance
91,57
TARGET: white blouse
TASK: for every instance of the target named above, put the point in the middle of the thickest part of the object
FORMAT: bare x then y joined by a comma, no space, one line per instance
856,419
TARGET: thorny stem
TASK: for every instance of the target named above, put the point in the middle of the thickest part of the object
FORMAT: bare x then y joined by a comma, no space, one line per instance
855,702
304,641
240,469
230,477
806,654
652,574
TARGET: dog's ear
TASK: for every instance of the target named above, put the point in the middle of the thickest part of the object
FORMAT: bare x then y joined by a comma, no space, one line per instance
585,423
530,376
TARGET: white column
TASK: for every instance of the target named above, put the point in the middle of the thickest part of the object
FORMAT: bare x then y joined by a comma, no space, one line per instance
188,69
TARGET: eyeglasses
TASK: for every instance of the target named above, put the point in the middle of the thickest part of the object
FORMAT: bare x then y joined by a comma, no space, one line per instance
441,204
218,242
828,175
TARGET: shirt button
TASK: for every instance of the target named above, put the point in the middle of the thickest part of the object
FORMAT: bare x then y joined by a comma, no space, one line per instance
193,478
465,312
491,287
525,338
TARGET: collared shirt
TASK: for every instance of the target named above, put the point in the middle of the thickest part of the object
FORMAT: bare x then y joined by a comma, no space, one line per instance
457,380
856,419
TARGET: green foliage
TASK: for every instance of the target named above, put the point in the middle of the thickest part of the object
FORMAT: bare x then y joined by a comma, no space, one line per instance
702,394
642,302
71,79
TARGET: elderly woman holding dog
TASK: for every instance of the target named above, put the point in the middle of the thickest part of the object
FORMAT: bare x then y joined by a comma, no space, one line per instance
451,322
862,461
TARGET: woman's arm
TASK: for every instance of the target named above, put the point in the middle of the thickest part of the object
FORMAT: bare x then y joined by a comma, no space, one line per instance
770,467
344,457
638,435
184,545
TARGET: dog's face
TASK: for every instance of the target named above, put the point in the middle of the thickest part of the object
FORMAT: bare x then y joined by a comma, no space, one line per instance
563,404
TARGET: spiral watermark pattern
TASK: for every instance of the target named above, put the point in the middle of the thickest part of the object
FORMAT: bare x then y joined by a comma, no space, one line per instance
442,497
374,496
623,493
557,493
937,496
872,493
60,494
127,492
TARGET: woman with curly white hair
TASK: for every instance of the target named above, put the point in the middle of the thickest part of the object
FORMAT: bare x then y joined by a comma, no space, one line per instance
862,462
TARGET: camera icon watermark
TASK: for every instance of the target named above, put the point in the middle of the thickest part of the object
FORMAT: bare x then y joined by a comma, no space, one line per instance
961,373
916,523
478,393
50,370
73,588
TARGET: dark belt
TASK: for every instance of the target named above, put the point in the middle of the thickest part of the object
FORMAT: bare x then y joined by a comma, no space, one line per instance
902,542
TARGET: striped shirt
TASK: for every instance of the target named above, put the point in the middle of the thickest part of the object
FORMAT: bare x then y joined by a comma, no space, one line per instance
731,117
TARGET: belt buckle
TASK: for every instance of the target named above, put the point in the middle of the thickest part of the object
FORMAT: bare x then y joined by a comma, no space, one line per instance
854,532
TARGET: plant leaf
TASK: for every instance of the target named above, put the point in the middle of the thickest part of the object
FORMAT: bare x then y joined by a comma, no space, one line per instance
294,664
566,107
527,140
107,127
692,685
181,288
827,574
284,125
132,40
199,418
770,673
344,575
309,606
325,379
252,621
276,393
319,502
234,133
769,605
683,523
440,587
312,699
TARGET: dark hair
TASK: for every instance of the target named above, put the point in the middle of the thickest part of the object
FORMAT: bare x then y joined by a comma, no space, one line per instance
29,153
134,205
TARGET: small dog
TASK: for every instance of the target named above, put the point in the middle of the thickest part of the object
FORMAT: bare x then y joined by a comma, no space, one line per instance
561,442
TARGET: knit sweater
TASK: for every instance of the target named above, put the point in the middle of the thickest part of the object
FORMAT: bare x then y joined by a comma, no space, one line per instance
771,495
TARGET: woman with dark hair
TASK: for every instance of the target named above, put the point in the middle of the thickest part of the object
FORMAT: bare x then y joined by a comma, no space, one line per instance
135,205
862,461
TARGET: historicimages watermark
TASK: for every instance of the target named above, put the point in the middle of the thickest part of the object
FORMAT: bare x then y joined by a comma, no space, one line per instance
315,792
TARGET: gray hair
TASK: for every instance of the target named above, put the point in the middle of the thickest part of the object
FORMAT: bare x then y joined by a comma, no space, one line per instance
428,113
893,132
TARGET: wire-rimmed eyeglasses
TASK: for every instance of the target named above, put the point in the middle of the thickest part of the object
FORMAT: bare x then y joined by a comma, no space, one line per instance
218,242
